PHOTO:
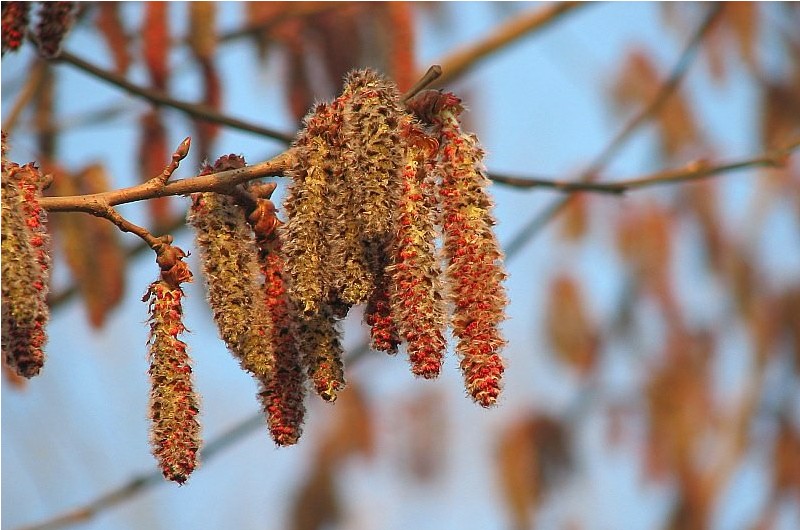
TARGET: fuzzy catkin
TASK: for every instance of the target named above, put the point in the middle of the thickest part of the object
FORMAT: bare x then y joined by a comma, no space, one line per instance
175,431
354,279
374,157
235,294
284,394
416,293
303,234
26,269
322,352
474,270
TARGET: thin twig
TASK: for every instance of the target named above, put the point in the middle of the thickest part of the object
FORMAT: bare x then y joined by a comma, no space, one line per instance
459,62
433,73
696,170
157,97
219,182
645,114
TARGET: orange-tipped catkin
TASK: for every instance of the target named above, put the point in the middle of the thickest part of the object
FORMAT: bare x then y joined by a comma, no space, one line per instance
284,394
230,267
175,431
26,269
416,293
475,273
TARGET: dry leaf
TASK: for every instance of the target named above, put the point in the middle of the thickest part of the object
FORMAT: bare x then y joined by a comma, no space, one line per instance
110,26
575,218
154,155
156,43
637,84
570,329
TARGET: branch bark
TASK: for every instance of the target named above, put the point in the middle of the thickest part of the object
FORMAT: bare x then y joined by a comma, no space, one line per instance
154,188
696,170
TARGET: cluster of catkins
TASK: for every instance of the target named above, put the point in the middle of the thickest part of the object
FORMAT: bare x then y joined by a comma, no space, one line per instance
54,20
376,183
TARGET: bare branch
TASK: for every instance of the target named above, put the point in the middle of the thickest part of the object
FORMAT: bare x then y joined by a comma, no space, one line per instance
153,188
696,170
461,61
157,97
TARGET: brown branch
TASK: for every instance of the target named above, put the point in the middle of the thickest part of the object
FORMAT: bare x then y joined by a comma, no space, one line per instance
459,62
643,116
433,73
219,182
203,112
696,170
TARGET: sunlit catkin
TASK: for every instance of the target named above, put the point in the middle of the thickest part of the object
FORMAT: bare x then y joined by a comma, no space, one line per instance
303,234
374,157
283,395
175,431
26,269
322,352
474,272
416,293
230,267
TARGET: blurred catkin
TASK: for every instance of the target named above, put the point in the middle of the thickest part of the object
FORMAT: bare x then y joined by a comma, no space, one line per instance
15,24
26,269
55,21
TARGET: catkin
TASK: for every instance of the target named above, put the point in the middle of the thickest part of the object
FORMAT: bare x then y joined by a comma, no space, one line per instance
474,270
175,431
26,269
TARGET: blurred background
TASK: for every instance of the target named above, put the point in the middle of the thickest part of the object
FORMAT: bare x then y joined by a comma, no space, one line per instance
654,336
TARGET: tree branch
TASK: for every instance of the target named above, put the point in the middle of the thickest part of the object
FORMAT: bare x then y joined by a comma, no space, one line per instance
157,97
696,170
154,188
459,62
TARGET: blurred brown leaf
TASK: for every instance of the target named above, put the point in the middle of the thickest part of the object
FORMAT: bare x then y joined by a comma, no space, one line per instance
575,218
637,84
203,42
110,26
156,43
679,403
399,23
786,472
781,115
154,155
90,245
424,435
532,454
316,505
352,430
701,198
570,329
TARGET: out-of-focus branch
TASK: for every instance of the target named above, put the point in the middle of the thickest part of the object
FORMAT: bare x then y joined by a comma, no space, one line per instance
696,170
460,61
154,188
157,97
643,116
26,94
